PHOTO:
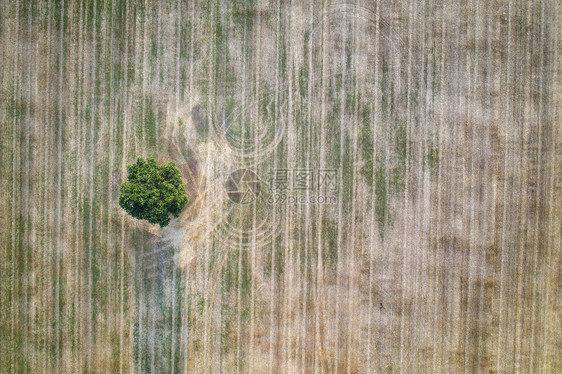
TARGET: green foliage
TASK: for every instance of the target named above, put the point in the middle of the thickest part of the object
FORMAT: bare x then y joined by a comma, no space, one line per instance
153,192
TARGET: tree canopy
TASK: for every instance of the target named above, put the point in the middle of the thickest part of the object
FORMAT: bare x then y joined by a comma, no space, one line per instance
153,192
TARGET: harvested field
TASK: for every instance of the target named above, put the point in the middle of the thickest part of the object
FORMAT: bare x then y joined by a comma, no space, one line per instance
375,186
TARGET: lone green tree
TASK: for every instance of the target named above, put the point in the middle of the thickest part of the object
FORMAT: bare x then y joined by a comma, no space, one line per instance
153,192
